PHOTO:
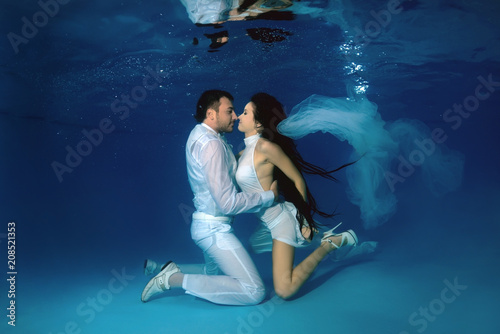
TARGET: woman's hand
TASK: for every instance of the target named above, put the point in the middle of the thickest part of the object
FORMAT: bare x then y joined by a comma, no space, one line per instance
306,232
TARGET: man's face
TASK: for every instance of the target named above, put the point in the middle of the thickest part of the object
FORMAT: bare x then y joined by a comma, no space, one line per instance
226,116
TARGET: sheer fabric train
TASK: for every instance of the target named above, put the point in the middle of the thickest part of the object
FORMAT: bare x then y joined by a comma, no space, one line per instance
381,146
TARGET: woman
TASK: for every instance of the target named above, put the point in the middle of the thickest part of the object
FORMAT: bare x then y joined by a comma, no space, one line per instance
268,156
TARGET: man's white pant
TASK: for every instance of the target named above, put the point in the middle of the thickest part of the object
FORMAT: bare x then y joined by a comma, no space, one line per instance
240,282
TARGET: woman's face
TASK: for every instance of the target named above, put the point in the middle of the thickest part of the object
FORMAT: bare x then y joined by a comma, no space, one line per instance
247,122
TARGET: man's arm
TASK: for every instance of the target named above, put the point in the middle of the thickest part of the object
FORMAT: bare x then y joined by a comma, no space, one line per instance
221,187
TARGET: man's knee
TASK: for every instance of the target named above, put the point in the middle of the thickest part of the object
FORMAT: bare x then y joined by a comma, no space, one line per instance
255,292
257,295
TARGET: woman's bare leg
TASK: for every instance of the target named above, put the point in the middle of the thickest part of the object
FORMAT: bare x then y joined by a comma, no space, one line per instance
287,279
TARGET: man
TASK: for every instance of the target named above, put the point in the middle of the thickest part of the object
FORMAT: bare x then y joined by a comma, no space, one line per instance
211,168
219,11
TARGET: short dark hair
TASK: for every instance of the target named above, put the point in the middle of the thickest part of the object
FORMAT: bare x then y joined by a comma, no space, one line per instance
210,99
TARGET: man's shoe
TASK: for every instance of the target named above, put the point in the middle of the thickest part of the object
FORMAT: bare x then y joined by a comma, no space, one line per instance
159,283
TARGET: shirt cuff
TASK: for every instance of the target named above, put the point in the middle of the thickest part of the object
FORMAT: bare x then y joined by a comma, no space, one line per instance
267,198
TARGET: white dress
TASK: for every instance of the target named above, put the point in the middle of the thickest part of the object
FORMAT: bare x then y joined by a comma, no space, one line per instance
278,221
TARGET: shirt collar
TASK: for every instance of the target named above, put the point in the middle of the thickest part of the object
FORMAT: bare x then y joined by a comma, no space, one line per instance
220,135
208,127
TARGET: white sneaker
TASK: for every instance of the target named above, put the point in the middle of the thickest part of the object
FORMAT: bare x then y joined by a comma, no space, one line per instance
159,283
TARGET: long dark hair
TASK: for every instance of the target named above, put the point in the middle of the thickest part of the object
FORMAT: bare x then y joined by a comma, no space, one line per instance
269,113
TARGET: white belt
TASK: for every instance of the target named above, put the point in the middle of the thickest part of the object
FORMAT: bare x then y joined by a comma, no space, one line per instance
203,216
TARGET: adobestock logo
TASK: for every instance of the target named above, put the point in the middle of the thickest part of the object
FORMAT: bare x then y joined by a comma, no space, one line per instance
382,18
426,314
121,109
257,317
88,310
40,19
453,117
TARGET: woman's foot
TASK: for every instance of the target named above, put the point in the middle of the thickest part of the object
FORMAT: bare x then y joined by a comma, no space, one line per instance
338,240
335,241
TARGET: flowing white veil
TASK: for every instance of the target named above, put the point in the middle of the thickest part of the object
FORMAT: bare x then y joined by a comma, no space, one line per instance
390,152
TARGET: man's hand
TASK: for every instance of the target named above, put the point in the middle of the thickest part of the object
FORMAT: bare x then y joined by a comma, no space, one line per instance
274,188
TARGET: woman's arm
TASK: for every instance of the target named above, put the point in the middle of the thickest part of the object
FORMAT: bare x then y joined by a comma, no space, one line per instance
275,155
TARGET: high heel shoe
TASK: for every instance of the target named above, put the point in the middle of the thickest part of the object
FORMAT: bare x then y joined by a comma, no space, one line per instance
349,236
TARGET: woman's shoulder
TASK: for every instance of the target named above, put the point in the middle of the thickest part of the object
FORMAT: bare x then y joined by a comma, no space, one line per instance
266,146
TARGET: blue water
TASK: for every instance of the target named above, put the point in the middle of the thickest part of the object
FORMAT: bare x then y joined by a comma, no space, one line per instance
81,236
